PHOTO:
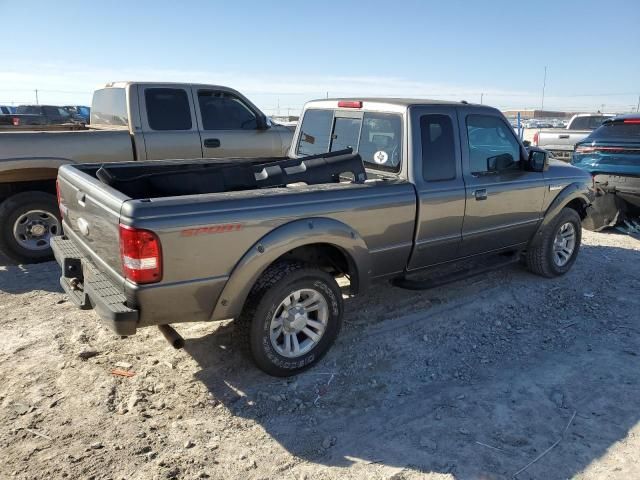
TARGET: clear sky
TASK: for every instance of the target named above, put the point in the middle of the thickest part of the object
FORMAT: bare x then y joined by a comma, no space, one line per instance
282,53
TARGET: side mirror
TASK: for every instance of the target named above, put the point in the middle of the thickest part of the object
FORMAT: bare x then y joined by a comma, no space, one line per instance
500,162
538,159
263,122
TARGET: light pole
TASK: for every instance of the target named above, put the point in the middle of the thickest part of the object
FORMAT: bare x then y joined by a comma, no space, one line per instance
544,84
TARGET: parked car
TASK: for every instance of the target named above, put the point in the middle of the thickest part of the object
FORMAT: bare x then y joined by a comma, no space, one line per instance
20,120
611,154
561,143
263,240
129,121
81,112
6,110
51,114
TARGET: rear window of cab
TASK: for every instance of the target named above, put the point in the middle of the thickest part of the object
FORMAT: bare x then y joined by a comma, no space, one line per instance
377,137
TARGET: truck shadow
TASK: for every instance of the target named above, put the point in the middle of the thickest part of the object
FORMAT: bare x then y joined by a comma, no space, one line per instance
26,278
475,379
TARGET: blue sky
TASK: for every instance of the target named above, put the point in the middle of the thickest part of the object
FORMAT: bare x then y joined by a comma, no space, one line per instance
283,53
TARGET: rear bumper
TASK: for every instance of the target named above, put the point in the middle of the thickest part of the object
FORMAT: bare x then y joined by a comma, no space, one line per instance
88,288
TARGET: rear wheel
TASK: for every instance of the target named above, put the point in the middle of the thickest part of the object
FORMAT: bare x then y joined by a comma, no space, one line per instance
558,246
291,319
28,220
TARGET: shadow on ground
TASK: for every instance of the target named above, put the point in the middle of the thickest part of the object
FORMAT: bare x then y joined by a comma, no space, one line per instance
477,380
25,278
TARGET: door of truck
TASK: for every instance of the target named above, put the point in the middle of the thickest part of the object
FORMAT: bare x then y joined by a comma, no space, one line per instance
229,126
436,171
504,201
168,122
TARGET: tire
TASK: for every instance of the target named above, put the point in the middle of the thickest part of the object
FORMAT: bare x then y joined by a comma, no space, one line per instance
541,259
279,282
16,207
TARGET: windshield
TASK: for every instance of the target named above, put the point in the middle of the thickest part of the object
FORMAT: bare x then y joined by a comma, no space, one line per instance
377,137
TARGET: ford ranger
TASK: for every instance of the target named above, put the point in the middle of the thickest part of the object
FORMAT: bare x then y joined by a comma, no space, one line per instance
263,240
129,121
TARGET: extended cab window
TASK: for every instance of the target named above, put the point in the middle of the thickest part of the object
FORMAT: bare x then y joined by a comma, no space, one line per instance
224,111
492,145
168,108
381,141
438,148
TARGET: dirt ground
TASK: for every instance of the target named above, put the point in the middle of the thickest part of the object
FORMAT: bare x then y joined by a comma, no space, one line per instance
472,380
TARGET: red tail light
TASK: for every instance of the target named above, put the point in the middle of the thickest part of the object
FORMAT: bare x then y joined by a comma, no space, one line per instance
15,121
141,255
59,198
536,136
349,104
632,120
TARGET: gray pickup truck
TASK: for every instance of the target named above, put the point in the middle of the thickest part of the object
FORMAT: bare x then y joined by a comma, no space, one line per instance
561,141
262,241
129,121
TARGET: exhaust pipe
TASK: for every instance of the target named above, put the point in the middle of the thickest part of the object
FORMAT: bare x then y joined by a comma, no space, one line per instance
173,337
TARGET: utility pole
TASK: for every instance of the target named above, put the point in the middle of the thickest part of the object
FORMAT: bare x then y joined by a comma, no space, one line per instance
327,94
37,102
481,95
638,107
544,84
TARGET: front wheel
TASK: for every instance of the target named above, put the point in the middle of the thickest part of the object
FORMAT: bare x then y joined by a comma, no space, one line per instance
291,319
558,247
28,220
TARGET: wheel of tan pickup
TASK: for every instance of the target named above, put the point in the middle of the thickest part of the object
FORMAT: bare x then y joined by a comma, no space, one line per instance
28,220
291,319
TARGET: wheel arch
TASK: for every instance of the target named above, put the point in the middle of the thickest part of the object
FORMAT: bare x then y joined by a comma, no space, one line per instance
329,242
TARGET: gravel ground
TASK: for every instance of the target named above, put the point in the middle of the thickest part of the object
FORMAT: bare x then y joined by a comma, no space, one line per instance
472,380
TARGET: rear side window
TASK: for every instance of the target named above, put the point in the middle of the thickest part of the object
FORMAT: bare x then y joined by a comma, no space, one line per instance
438,148
315,132
616,131
109,107
224,111
381,141
168,109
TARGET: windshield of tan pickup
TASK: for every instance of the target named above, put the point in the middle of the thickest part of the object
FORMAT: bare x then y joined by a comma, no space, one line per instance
377,137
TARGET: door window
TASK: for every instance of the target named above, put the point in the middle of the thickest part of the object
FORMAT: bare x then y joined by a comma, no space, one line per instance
492,145
438,148
224,111
168,108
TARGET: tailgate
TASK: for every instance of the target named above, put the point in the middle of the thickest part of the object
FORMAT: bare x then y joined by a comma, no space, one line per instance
91,215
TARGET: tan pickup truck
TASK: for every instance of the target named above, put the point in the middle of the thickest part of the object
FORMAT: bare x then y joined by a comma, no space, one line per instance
129,121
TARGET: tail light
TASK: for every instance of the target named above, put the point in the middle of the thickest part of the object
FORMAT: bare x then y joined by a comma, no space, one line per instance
536,136
632,120
349,104
141,255
15,121
60,206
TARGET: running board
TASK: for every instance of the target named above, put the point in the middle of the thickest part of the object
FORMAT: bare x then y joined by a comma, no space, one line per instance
409,284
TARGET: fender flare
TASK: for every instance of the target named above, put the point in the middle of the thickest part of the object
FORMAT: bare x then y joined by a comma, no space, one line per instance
573,191
282,240
9,167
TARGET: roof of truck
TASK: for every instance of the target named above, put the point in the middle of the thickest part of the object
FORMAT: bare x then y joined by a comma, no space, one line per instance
405,102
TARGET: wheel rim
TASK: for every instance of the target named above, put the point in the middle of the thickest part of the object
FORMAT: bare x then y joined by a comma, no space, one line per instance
564,244
33,229
299,323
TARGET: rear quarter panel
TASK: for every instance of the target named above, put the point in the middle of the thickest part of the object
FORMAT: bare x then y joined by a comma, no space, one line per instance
197,265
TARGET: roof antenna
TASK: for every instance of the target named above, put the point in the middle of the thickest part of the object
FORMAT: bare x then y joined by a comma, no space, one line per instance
464,101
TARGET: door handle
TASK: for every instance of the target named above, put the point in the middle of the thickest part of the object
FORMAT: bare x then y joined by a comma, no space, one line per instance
480,194
211,142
